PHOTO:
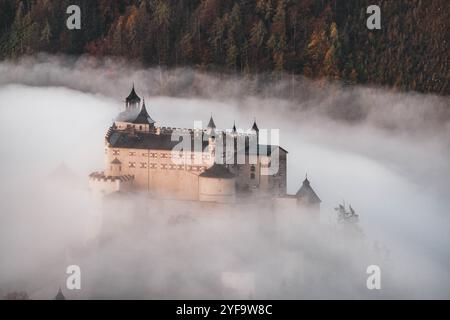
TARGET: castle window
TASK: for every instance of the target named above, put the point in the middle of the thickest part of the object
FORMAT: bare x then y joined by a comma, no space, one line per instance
252,168
120,168
132,154
116,152
132,164
252,176
140,127
143,165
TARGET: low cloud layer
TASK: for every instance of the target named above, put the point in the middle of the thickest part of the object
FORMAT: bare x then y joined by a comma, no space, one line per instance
384,152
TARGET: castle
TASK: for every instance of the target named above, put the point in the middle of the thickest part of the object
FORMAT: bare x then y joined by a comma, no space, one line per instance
205,165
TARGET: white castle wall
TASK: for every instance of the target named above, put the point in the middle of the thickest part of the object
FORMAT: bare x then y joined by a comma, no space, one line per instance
217,190
101,185
155,170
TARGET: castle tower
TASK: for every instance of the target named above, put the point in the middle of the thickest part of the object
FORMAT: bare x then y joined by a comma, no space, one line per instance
234,131
114,169
132,101
143,120
217,184
211,132
255,130
306,196
234,135
253,143
211,126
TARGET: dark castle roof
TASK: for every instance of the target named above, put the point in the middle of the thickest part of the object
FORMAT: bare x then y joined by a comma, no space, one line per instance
132,97
211,123
143,117
255,127
138,140
217,171
306,192
59,295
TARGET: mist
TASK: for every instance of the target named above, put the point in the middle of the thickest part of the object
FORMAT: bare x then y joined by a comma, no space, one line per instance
384,152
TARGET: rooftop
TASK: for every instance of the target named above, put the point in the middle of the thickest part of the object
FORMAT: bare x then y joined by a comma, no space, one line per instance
306,192
143,117
133,96
217,171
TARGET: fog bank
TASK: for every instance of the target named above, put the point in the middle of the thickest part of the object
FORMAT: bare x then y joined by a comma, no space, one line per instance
386,153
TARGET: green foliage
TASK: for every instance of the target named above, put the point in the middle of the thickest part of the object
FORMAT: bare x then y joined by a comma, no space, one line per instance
319,39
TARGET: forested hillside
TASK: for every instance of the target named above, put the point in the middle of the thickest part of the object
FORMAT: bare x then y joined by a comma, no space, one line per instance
316,38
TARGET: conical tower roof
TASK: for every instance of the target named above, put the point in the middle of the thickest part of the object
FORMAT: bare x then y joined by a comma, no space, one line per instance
143,116
132,97
234,127
307,193
255,127
211,124
59,295
217,171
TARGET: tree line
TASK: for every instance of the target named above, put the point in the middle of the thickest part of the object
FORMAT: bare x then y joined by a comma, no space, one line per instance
321,39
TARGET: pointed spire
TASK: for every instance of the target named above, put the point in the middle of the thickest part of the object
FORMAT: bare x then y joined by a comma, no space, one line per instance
234,127
255,127
306,192
133,97
211,124
306,181
59,295
143,116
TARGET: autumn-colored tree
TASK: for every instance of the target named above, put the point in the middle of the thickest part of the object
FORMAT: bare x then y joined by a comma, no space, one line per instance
319,39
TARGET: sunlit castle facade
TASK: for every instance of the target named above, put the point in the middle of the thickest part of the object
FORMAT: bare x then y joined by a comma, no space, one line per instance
206,165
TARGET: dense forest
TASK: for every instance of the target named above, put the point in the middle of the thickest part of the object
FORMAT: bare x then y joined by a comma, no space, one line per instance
321,39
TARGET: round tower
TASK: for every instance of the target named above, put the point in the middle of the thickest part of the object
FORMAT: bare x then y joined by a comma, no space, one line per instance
114,169
217,184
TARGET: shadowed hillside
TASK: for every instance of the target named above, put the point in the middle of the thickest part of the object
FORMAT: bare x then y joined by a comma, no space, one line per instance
325,39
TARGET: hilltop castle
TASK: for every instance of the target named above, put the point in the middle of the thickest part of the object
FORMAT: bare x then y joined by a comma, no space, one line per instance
192,164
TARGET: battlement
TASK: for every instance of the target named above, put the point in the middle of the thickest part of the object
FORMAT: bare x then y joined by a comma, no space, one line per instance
101,177
102,184
131,129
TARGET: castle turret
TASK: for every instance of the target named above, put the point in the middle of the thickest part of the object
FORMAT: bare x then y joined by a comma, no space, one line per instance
254,136
211,132
211,126
307,196
234,131
255,127
255,130
114,169
143,121
234,135
132,101
217,184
